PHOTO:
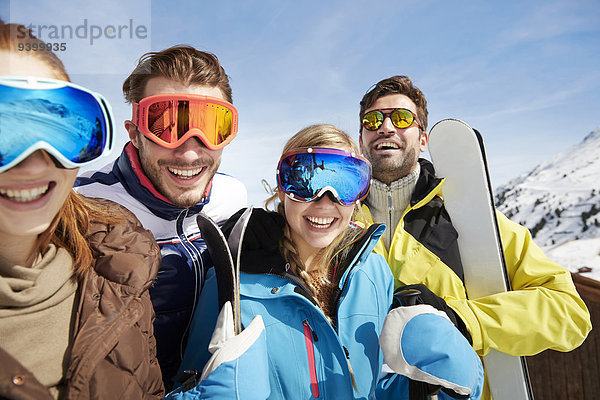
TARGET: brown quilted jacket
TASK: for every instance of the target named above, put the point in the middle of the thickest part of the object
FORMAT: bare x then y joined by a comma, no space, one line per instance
113,354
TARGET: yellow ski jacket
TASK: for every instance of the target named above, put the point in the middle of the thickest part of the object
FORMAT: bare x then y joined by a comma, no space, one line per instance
543,310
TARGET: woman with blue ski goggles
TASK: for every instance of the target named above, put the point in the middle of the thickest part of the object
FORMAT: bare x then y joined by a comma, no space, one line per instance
69,122
75,312
325,298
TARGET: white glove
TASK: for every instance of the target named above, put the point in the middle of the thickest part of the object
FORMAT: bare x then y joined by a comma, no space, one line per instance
422,344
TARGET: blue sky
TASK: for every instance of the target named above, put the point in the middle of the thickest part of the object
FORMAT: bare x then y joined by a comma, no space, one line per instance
524,73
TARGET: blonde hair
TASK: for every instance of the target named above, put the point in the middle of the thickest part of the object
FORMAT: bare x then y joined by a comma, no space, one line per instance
320,135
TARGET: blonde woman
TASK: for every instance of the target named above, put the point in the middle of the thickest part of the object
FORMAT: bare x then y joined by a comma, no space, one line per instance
309,271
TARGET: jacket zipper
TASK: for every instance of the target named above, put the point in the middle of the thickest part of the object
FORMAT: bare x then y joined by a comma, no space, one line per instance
196,258
299,285
309,334
338,292
390,232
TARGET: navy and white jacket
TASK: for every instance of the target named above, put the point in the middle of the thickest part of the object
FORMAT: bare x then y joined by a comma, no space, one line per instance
184,257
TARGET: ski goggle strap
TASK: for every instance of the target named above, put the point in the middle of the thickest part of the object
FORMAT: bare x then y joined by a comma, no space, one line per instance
307,174
400,117
70,122
171,119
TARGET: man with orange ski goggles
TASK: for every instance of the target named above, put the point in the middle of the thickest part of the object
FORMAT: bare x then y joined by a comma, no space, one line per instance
182,118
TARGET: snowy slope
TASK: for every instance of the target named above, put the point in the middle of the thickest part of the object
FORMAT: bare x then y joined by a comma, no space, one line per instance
559,201
579,255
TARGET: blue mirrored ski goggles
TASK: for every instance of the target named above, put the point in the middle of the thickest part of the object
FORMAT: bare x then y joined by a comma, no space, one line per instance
71,123
307,174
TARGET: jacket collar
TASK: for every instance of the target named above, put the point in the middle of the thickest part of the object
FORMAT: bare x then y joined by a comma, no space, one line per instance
427,183
362,249
129,171
261,262
277,266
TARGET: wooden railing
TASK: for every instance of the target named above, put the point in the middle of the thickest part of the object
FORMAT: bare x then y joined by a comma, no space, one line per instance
574,375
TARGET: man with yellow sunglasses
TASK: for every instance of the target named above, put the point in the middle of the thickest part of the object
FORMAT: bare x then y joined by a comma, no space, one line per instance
543,311
182,118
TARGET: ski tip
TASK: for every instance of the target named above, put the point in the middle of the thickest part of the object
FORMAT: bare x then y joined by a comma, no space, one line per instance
440,132
203,219
448,121
246,214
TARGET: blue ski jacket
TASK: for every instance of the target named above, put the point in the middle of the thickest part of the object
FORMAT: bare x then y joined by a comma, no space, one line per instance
184,257
308,356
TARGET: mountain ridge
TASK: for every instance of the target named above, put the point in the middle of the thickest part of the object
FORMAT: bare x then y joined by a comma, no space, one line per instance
559,199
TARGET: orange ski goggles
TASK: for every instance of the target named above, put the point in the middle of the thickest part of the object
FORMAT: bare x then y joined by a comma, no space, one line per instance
171,119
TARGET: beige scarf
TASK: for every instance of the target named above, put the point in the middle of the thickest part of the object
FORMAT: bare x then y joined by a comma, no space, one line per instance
388,203
36,305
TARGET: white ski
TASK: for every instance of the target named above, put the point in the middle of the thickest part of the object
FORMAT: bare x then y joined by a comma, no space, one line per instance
458,154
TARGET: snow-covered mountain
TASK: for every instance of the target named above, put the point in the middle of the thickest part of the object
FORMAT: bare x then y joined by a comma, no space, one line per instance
559,201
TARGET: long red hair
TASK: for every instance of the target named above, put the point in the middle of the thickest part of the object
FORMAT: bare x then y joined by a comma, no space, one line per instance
70,226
